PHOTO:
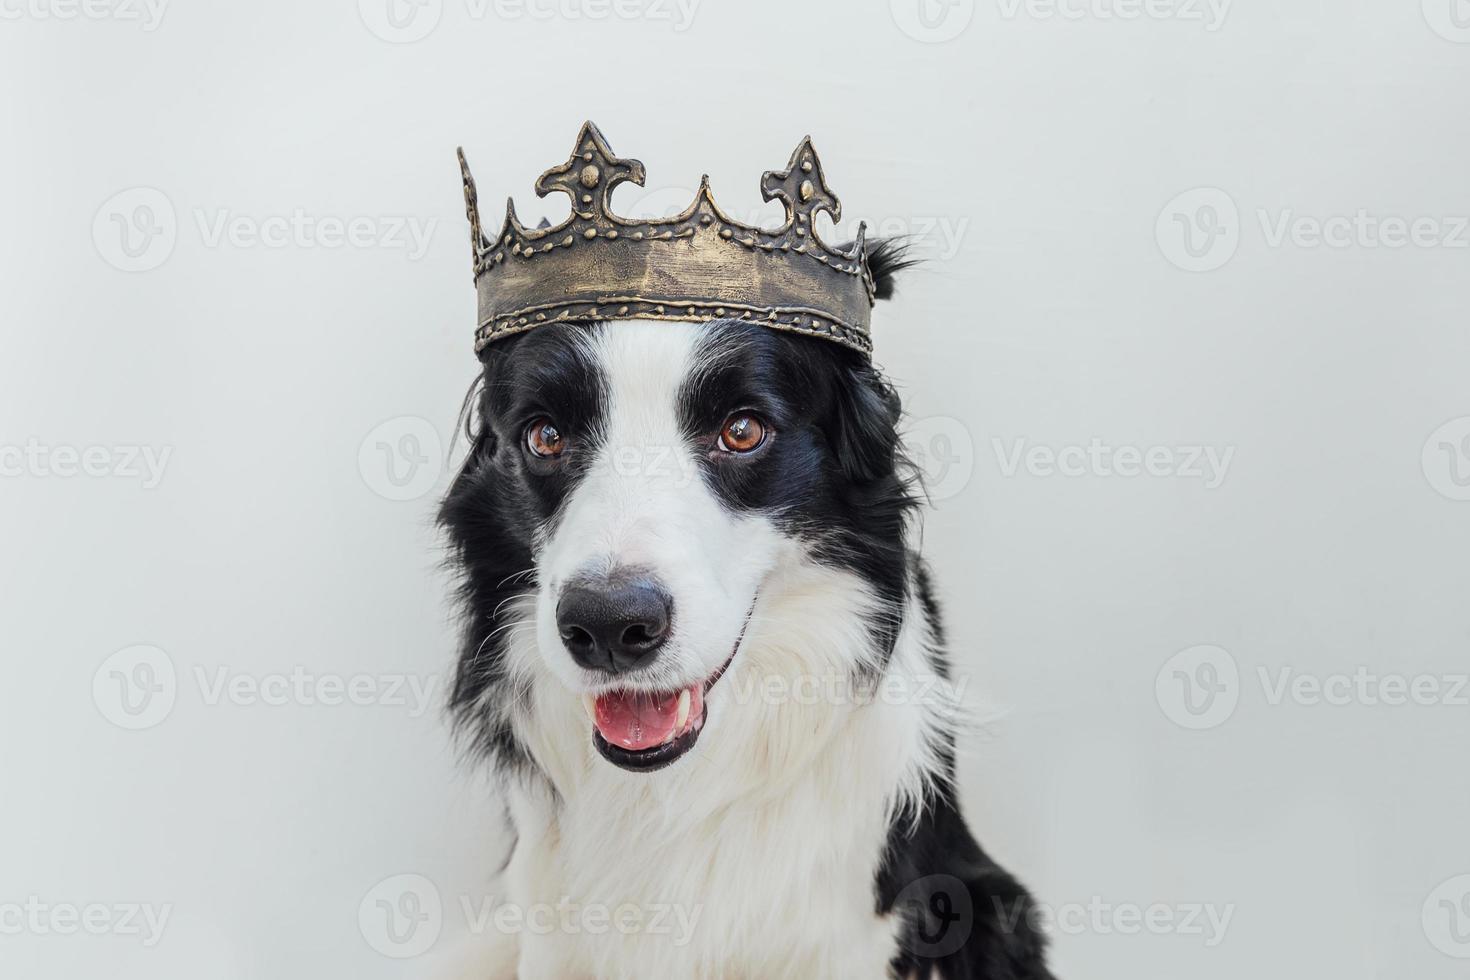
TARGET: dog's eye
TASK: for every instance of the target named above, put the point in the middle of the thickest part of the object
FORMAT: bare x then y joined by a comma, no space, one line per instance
544,439
742,433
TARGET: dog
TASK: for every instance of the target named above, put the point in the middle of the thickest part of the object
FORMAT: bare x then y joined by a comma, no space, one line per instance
706,663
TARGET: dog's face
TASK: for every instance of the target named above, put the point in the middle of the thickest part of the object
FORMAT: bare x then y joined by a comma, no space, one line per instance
638,484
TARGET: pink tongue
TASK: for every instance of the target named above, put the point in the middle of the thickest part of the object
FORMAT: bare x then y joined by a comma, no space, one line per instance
638,720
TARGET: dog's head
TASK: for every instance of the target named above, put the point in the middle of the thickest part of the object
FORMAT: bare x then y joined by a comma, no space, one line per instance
638,493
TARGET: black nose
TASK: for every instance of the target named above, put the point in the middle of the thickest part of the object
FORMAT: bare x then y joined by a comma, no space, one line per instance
614,625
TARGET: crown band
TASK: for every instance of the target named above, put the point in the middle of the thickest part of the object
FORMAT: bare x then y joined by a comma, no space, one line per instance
697,265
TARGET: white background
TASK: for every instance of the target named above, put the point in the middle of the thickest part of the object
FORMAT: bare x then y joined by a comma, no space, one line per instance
1051,161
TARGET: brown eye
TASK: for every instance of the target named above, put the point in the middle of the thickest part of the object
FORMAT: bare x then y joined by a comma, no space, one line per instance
544,439
742,433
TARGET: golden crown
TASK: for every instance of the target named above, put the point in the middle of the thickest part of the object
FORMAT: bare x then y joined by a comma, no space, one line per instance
699,264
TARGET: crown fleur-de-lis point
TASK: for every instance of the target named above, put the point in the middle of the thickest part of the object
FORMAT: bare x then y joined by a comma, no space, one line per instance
802,188
589,175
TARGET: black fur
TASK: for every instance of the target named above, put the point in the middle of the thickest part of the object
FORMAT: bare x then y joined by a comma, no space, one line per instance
967,916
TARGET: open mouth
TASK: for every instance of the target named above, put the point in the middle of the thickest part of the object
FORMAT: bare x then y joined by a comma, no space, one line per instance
642,731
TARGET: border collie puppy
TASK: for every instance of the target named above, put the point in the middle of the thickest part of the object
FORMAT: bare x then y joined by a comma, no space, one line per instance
705,661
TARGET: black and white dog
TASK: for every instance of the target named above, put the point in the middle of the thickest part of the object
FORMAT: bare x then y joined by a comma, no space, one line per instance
704,658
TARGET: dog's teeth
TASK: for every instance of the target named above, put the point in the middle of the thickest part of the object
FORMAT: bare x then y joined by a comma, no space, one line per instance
589,704
683,716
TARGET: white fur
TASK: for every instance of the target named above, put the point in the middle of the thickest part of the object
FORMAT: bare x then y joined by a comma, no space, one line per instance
765,839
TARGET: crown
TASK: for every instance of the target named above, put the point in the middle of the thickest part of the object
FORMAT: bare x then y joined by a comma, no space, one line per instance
699,264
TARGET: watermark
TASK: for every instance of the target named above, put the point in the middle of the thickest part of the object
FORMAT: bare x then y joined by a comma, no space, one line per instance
1450,19
1200,687
665,467
137,230
1446,918
678,14
940,915
1365,687
401,459
36,917
1446,459
837,689
675,921
401,21
301,229
36,459
147,14
1207,464
305,688
1206,921
942,451
1210,14
407,21
928,238
1201,230
1362,229
404,915
138,687
932,21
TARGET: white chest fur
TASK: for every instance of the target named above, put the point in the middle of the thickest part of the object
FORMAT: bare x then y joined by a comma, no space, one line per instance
753,857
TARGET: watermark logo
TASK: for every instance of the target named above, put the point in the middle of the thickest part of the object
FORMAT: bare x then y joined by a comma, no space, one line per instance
1446,459
834,688
147,13
932,21
1363,687
401,917
660,467
1199,230
304,688
37,917
136,687
299,229
407,21
145,464
1208,464
939,909
1446,918
944,453
1362,229
927,238
1199,687
135,230
401,21
1210,13
678,14
676,922
1450,19
1206,921
401,459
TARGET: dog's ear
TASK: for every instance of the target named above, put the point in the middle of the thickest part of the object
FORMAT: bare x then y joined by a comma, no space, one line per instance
472,422
864,433
886,258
